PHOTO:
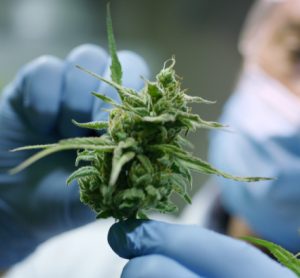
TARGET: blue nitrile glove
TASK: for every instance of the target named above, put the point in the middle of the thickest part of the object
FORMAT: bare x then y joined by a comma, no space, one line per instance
158,249
265,118
37,108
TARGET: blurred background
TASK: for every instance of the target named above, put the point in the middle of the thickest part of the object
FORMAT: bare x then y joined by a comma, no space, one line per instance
202,34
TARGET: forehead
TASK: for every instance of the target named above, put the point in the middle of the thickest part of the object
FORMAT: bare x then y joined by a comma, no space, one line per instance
289,11
285,17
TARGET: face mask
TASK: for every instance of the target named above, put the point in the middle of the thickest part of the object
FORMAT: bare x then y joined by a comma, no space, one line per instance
265,117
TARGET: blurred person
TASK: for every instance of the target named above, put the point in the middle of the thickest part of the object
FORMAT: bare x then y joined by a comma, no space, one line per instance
263,111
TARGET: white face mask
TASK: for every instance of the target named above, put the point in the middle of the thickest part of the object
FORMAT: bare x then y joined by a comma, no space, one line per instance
266,142
281,113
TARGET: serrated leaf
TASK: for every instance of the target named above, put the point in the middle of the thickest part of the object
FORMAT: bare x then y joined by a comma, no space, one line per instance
196,120
180,181
141,111
152,191
33,159
142,215
184,142
103,215
165,160
187,198
96,125
122,91
117,166
283,256
131,198
184,171
103,140
160,119
202,166
34,147
142,180
58,148
153,90
115,68
86,158
168,149
179,184
133,193
197,99
146,163
99,77
166,207
105,99
84,171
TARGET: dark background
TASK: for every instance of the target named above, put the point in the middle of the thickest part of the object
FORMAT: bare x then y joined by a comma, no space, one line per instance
203,34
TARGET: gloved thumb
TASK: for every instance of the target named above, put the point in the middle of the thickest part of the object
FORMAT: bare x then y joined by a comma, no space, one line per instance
203,251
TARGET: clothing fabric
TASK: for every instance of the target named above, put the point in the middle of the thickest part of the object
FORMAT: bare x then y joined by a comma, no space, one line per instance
85,252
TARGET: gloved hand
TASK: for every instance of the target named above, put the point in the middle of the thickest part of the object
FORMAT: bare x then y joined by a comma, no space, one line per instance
36,108
158,249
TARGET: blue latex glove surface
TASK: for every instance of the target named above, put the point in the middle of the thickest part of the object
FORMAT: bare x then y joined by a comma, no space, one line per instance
158,249
37,108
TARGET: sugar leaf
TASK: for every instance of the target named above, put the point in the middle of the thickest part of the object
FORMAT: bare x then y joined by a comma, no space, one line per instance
85,171
116,69
96,125
105,98
285,257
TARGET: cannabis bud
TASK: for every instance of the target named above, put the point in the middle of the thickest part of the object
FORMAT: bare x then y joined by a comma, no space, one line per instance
147,162
142,158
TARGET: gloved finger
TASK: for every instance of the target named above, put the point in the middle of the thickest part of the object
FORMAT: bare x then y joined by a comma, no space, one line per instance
155,266
133,67
77,87
35,93
202,251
